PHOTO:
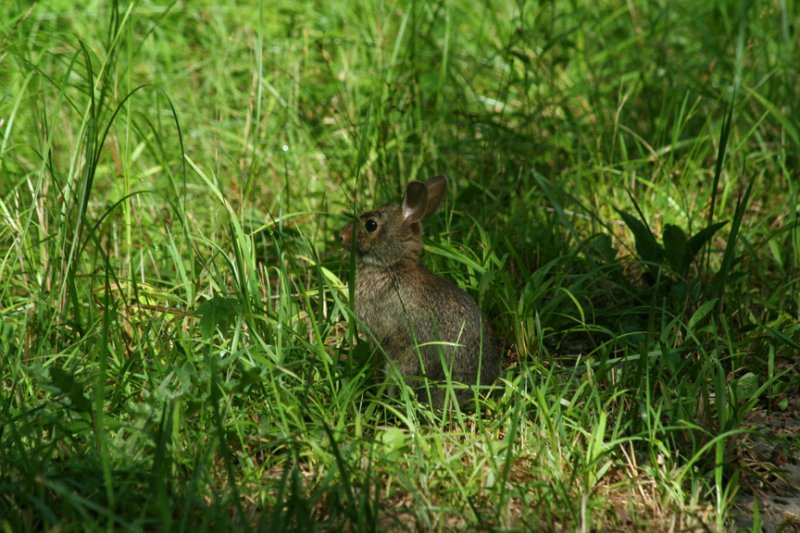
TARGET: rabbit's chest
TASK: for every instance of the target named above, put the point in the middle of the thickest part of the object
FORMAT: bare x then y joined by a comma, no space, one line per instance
383,306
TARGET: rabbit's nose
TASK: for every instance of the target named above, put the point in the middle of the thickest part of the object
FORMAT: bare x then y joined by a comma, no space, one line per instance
345,235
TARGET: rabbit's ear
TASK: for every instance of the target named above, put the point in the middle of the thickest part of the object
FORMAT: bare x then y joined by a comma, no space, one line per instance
415,202
436,188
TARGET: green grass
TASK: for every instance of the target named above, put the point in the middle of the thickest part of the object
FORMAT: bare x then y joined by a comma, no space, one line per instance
177,350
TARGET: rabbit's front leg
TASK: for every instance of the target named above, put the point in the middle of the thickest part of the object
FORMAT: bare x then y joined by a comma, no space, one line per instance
402,365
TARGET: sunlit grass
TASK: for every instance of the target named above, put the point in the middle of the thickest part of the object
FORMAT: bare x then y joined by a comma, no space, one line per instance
177,347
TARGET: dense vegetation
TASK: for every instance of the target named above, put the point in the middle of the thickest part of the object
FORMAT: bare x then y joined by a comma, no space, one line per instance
176,346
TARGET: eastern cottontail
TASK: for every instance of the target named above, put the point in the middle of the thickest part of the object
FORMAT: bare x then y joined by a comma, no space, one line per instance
419,319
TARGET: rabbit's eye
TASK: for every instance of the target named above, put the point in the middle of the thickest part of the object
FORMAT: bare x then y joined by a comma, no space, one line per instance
370,225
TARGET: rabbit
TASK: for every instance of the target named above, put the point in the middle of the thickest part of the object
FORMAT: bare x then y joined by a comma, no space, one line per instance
419,319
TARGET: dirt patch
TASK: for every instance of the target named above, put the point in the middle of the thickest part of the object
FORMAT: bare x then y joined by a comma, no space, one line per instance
771,464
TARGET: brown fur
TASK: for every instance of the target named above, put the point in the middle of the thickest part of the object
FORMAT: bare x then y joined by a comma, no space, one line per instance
417,317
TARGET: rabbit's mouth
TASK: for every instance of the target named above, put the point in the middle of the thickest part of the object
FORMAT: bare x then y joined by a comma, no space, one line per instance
368,259
346,237
350,234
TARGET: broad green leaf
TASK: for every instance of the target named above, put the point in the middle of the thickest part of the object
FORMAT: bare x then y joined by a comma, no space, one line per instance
394,441
218,312
746,387
701,313
73,389
702,237
601,245
676,250
649,250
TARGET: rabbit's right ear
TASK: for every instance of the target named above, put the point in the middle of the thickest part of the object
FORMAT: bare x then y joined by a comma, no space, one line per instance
436,188
415,202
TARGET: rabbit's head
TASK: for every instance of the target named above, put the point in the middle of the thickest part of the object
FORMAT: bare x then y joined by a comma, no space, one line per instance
392,234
